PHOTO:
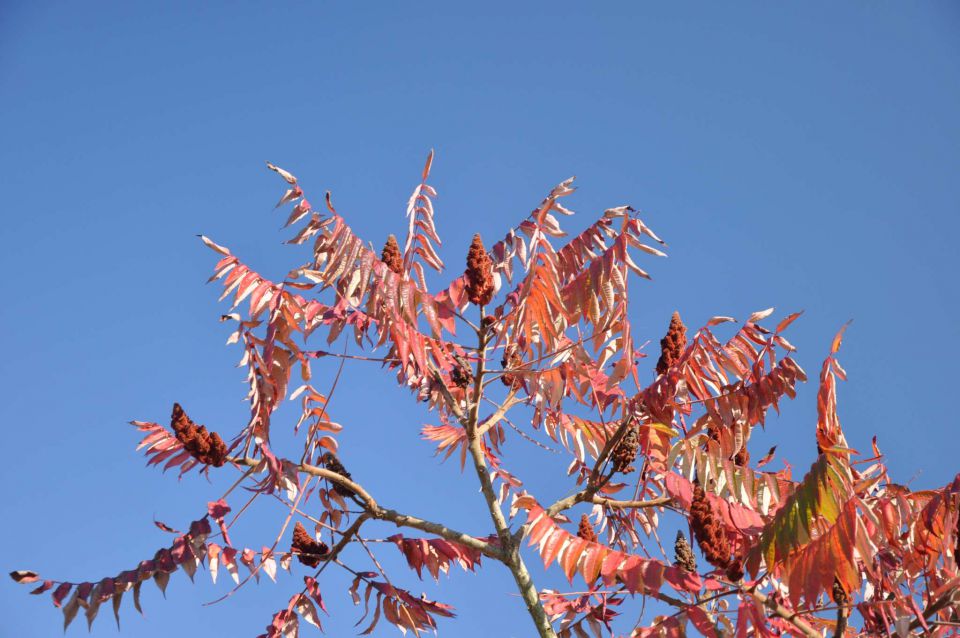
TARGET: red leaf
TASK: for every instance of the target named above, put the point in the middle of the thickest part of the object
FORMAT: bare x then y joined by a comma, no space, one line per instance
166,528
767,457
60,593
314,590
551,548
611,567
701,621
838,338
571,555
426,167
593,561
787,321
218,509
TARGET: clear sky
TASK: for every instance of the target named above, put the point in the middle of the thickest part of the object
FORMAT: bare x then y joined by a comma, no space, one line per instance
803,158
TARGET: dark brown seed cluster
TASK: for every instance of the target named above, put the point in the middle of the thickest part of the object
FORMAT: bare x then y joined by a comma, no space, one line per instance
479,273
672,345
683,554
742,457
708,530
334,465
838,593
206,447
625,451
307,550
511,359
586,531
461,374
734,571
391,255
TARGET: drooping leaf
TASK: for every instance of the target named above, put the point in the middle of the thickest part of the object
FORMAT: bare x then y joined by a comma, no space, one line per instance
576,555
820,496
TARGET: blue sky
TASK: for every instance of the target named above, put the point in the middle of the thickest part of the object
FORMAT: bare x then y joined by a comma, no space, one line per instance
797,157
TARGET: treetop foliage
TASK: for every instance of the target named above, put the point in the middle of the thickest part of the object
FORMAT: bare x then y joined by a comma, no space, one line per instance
534,340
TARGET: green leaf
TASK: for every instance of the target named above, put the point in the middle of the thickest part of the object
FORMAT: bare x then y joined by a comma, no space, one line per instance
820,495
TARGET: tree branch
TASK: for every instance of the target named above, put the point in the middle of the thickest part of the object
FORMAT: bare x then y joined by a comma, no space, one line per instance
448,398
500,412
584,496
321,472
374,510
405,520
626,505
508,546
934,608
593,483
782,612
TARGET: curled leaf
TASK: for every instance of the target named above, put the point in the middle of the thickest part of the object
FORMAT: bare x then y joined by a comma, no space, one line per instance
24,576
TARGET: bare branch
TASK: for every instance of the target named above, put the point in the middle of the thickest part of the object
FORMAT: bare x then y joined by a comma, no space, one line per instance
373,510
782,612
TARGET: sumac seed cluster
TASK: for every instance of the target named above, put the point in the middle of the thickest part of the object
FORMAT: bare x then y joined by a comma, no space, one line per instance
206,447
391,255
683,554
334,465
672,345
625,451
585,530
479,273
308,550
511,360
712,537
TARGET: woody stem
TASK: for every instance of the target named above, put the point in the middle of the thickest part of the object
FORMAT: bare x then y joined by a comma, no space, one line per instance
509,547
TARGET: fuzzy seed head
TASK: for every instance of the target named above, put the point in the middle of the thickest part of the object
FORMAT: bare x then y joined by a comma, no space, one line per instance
391,255
461,374
334,465
838,593
586,531
742,457
307,550
683,554
672,345
708,530
206,447
479,273
625,452
511,359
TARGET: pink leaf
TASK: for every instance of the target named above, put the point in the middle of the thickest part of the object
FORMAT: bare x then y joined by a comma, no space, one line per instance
24,577
218,509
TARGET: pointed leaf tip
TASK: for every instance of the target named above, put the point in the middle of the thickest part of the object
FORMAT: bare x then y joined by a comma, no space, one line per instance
838,338
290,179
760,315
427,165
214,246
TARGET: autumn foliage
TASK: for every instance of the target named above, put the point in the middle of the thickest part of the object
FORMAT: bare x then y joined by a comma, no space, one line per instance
652,449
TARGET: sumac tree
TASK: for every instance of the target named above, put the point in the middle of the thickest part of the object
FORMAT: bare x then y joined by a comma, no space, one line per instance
535,334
